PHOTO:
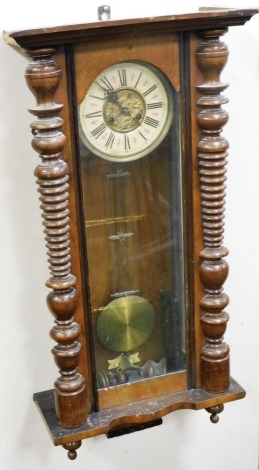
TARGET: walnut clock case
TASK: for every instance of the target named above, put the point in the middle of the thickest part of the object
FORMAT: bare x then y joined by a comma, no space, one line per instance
128,126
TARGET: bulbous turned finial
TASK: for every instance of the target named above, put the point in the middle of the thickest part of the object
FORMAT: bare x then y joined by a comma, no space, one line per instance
72,447
214,411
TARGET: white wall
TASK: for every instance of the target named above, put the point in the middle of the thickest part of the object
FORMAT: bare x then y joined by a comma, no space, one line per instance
187,440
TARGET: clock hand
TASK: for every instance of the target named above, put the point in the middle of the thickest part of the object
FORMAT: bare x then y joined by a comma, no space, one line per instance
126,112
111,96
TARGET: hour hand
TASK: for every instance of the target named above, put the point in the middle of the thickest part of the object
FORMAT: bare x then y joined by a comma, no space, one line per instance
111,96
126,112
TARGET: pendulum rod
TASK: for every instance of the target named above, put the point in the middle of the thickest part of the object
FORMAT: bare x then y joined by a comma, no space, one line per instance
120,232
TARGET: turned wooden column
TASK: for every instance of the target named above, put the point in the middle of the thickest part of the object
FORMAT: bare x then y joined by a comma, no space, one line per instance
43,77
211,57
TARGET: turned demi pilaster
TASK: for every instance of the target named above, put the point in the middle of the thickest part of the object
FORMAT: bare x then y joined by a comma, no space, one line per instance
211,57
42,77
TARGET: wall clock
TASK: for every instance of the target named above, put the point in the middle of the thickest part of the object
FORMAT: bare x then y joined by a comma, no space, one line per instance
128,125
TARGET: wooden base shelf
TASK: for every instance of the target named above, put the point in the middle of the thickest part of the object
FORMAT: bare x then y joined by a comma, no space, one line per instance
129,416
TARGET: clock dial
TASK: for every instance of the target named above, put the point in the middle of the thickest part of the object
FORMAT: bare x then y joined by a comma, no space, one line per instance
126,112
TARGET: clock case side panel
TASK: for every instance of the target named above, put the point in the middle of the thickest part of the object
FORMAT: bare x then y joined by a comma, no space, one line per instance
196,335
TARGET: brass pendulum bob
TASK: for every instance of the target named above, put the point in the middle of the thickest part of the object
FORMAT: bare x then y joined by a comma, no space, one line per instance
126,323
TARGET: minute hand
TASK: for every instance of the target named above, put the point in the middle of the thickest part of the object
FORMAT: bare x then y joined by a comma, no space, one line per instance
126,112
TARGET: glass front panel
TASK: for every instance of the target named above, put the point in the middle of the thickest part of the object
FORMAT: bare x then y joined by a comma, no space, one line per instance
130,154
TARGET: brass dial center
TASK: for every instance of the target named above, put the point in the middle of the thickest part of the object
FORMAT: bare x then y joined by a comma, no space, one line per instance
123,110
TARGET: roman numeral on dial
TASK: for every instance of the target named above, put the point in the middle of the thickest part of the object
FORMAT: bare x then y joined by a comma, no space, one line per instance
110,140
99,130
142,135
126,142
138,80
123,77
152,88
154,105
151,122
93,115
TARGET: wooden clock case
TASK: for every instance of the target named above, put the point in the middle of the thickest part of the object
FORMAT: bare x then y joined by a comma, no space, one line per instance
189,50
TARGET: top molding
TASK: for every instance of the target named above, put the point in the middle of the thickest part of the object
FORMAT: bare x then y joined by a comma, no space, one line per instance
206,18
